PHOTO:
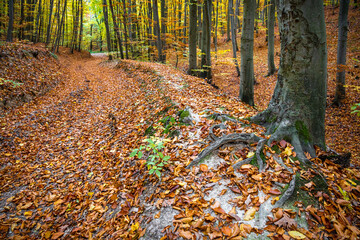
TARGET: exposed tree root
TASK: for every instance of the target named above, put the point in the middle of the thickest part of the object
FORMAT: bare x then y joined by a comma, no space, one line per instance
212,136
288,193
233,138
259,149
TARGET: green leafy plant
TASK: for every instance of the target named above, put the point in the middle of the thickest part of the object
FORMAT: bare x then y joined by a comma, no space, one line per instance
13,83
355,109
156,160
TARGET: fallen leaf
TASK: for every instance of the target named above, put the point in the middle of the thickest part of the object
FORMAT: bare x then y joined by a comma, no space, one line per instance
185,234
296,235
250,214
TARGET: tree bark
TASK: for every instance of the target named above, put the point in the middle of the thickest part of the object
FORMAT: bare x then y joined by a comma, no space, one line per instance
296,111
9,36
58,35
37,31
341,51
271,21
108,38
48,32
206,41
125,30
116,30
192,37
247,48
233,36
157,30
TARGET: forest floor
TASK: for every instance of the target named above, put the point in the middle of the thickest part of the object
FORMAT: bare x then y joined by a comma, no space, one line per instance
66,170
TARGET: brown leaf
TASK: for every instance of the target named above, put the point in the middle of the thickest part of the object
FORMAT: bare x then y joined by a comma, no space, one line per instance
274,191
57,235
185,234
286,222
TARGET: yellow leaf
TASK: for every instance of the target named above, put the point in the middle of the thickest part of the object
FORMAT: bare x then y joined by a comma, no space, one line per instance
250,154
135,226
296,235
288,151
47,234
250,214
90,194
60,201
28,213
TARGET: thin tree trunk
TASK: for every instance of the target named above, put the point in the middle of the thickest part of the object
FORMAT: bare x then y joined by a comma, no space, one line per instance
163,29
216,28
192,37
341,51
233,36
247,48
37,35
116,30
9,36
58,35
48,32
108,38
21,22
81,24
271,21
206,41
125,30
157,30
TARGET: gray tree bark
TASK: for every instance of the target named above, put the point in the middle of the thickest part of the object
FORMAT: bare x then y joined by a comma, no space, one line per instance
206,41
49,24
296,111
341,51
192,37
233,36
117,30
271,22
108,39
247,48
9,36
157,30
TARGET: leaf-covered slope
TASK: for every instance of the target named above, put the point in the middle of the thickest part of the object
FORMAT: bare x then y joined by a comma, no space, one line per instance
66,170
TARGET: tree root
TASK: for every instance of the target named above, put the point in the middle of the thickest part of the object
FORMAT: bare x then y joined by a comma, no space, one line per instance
212,136
287,194
259,149
233,138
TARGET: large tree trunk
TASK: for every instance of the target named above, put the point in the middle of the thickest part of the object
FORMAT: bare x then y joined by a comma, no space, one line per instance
271,22
9,36
233,36
108,39
341,51
206,41
247,48
192,37
296,111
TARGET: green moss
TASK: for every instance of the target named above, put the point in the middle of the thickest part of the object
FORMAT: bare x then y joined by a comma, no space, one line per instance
183,114
303,195
149,131
254,161
276,149
302,130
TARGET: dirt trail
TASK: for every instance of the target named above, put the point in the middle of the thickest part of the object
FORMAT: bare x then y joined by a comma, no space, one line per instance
51,145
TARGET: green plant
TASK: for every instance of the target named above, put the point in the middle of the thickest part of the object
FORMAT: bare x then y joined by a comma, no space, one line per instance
156,160
13,83
355,109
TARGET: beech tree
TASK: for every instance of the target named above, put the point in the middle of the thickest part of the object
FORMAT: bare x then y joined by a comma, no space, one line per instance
233,35
9,37
247,51
270,38
206,39
296,111
192,37
341,51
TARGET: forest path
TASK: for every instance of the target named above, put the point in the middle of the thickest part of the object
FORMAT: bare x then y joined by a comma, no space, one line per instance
54,152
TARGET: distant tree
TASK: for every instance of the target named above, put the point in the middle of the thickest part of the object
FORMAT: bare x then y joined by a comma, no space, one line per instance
271,22
192,37
341,51
106,21
9,36
48,32
247,51
233,36
116,30
157,31
206,41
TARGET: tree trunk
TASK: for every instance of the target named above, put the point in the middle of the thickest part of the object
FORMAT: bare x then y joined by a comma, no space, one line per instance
192,37
21,22
341,51
37,32
116,30
125,30
157,30
247,48
206,41
163,29
81,25
216,27
228,38
9,36
271,21
48,32
58,35
108,38
233,36
296,111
